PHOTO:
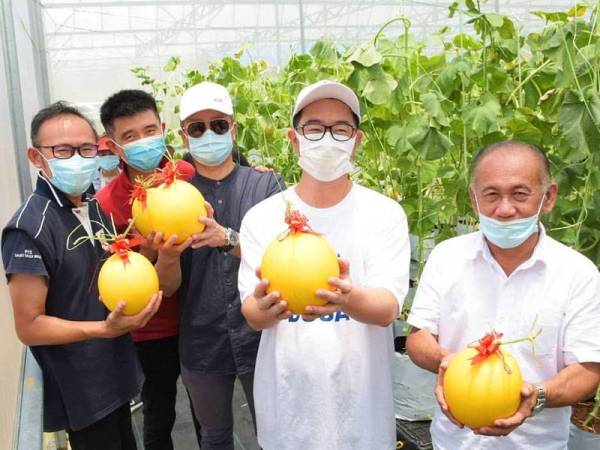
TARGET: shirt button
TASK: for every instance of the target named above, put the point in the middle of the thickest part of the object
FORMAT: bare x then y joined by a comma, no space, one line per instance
219,201
218,183
229,305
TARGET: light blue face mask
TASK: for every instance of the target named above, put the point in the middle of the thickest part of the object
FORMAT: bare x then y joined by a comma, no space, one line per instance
74,175
509,234
211,149
145,154
108,163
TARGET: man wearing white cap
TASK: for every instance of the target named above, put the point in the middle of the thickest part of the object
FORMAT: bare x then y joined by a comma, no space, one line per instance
216,344
323,380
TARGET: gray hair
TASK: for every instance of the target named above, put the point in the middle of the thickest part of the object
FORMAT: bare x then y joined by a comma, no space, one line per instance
545,174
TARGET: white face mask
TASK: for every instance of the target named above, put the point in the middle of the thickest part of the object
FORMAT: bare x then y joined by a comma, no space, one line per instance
326,159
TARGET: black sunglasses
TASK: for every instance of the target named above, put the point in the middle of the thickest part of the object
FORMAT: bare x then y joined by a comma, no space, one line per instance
197,129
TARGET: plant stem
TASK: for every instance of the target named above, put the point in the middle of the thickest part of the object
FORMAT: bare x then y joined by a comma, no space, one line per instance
529,77
402,19
595,412
420,250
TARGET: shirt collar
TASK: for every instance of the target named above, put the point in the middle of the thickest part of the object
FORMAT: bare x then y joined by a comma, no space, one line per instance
46,189
229,176
481,249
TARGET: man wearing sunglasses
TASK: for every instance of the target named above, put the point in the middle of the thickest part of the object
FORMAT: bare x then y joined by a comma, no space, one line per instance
216,344
86,354
323,380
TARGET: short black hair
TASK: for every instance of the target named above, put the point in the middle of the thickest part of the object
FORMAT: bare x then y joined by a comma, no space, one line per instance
56,109
545,174
126,103
296,118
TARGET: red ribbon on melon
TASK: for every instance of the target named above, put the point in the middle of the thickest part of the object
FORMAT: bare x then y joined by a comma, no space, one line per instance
490,344
122,245
139,193
486,346
168,174
298,222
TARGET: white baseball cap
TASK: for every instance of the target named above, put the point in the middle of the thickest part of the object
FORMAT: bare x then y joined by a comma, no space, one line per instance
203,96
327,89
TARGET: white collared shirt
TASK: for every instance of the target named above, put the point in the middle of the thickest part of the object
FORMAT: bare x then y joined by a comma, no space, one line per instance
464,292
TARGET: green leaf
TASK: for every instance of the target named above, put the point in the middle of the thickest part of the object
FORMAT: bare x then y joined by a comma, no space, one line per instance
172,64
483,118
366,55
523,130
380,86
242,50
551,16
324,51
577,10
430,142
432,105
463,40
495,20
579,123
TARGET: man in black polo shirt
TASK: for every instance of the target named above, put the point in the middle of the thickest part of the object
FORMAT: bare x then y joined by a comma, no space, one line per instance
87,358
216,344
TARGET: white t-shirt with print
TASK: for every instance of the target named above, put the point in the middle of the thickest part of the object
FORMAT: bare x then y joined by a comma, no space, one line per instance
327,384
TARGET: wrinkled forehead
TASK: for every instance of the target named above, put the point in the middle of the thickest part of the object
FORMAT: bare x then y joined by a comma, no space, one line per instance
508,168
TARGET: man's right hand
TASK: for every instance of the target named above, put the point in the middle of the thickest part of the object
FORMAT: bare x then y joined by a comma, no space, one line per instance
168,249
439,390
270,305
117,323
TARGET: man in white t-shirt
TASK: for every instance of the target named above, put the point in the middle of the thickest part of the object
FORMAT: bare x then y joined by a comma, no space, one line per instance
504,276
323,379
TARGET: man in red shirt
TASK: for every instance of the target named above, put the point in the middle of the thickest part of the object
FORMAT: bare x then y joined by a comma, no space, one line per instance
132,122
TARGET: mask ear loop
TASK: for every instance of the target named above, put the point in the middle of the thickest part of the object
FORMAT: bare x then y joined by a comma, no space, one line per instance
542,202
40,169
477,203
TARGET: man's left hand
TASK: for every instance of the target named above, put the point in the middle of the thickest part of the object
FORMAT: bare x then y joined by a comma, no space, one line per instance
214,235
502,427
336,299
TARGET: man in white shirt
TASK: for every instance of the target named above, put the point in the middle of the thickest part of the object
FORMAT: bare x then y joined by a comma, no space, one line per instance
504,276
323,379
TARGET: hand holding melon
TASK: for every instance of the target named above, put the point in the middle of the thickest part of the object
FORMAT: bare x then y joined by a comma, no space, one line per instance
482,388
298,263
165,204
127,276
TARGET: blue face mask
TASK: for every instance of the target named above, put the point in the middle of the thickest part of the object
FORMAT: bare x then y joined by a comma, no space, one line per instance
145,154
211,149
509,234
74,175
108,163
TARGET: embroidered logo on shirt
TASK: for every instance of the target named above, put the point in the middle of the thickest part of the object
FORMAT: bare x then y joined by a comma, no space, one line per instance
28,254
328,318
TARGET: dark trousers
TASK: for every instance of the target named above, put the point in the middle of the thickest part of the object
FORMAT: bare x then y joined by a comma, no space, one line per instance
211,396
160,362
112,432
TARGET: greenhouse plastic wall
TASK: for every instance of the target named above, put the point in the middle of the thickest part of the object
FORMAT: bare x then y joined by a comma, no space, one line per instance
96,42
21,80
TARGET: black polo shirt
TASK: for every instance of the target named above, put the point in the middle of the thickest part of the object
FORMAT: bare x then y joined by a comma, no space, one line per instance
214,337
83,381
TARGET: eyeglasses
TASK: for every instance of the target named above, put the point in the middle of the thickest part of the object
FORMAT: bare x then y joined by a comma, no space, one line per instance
197,129
66,151
315,131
